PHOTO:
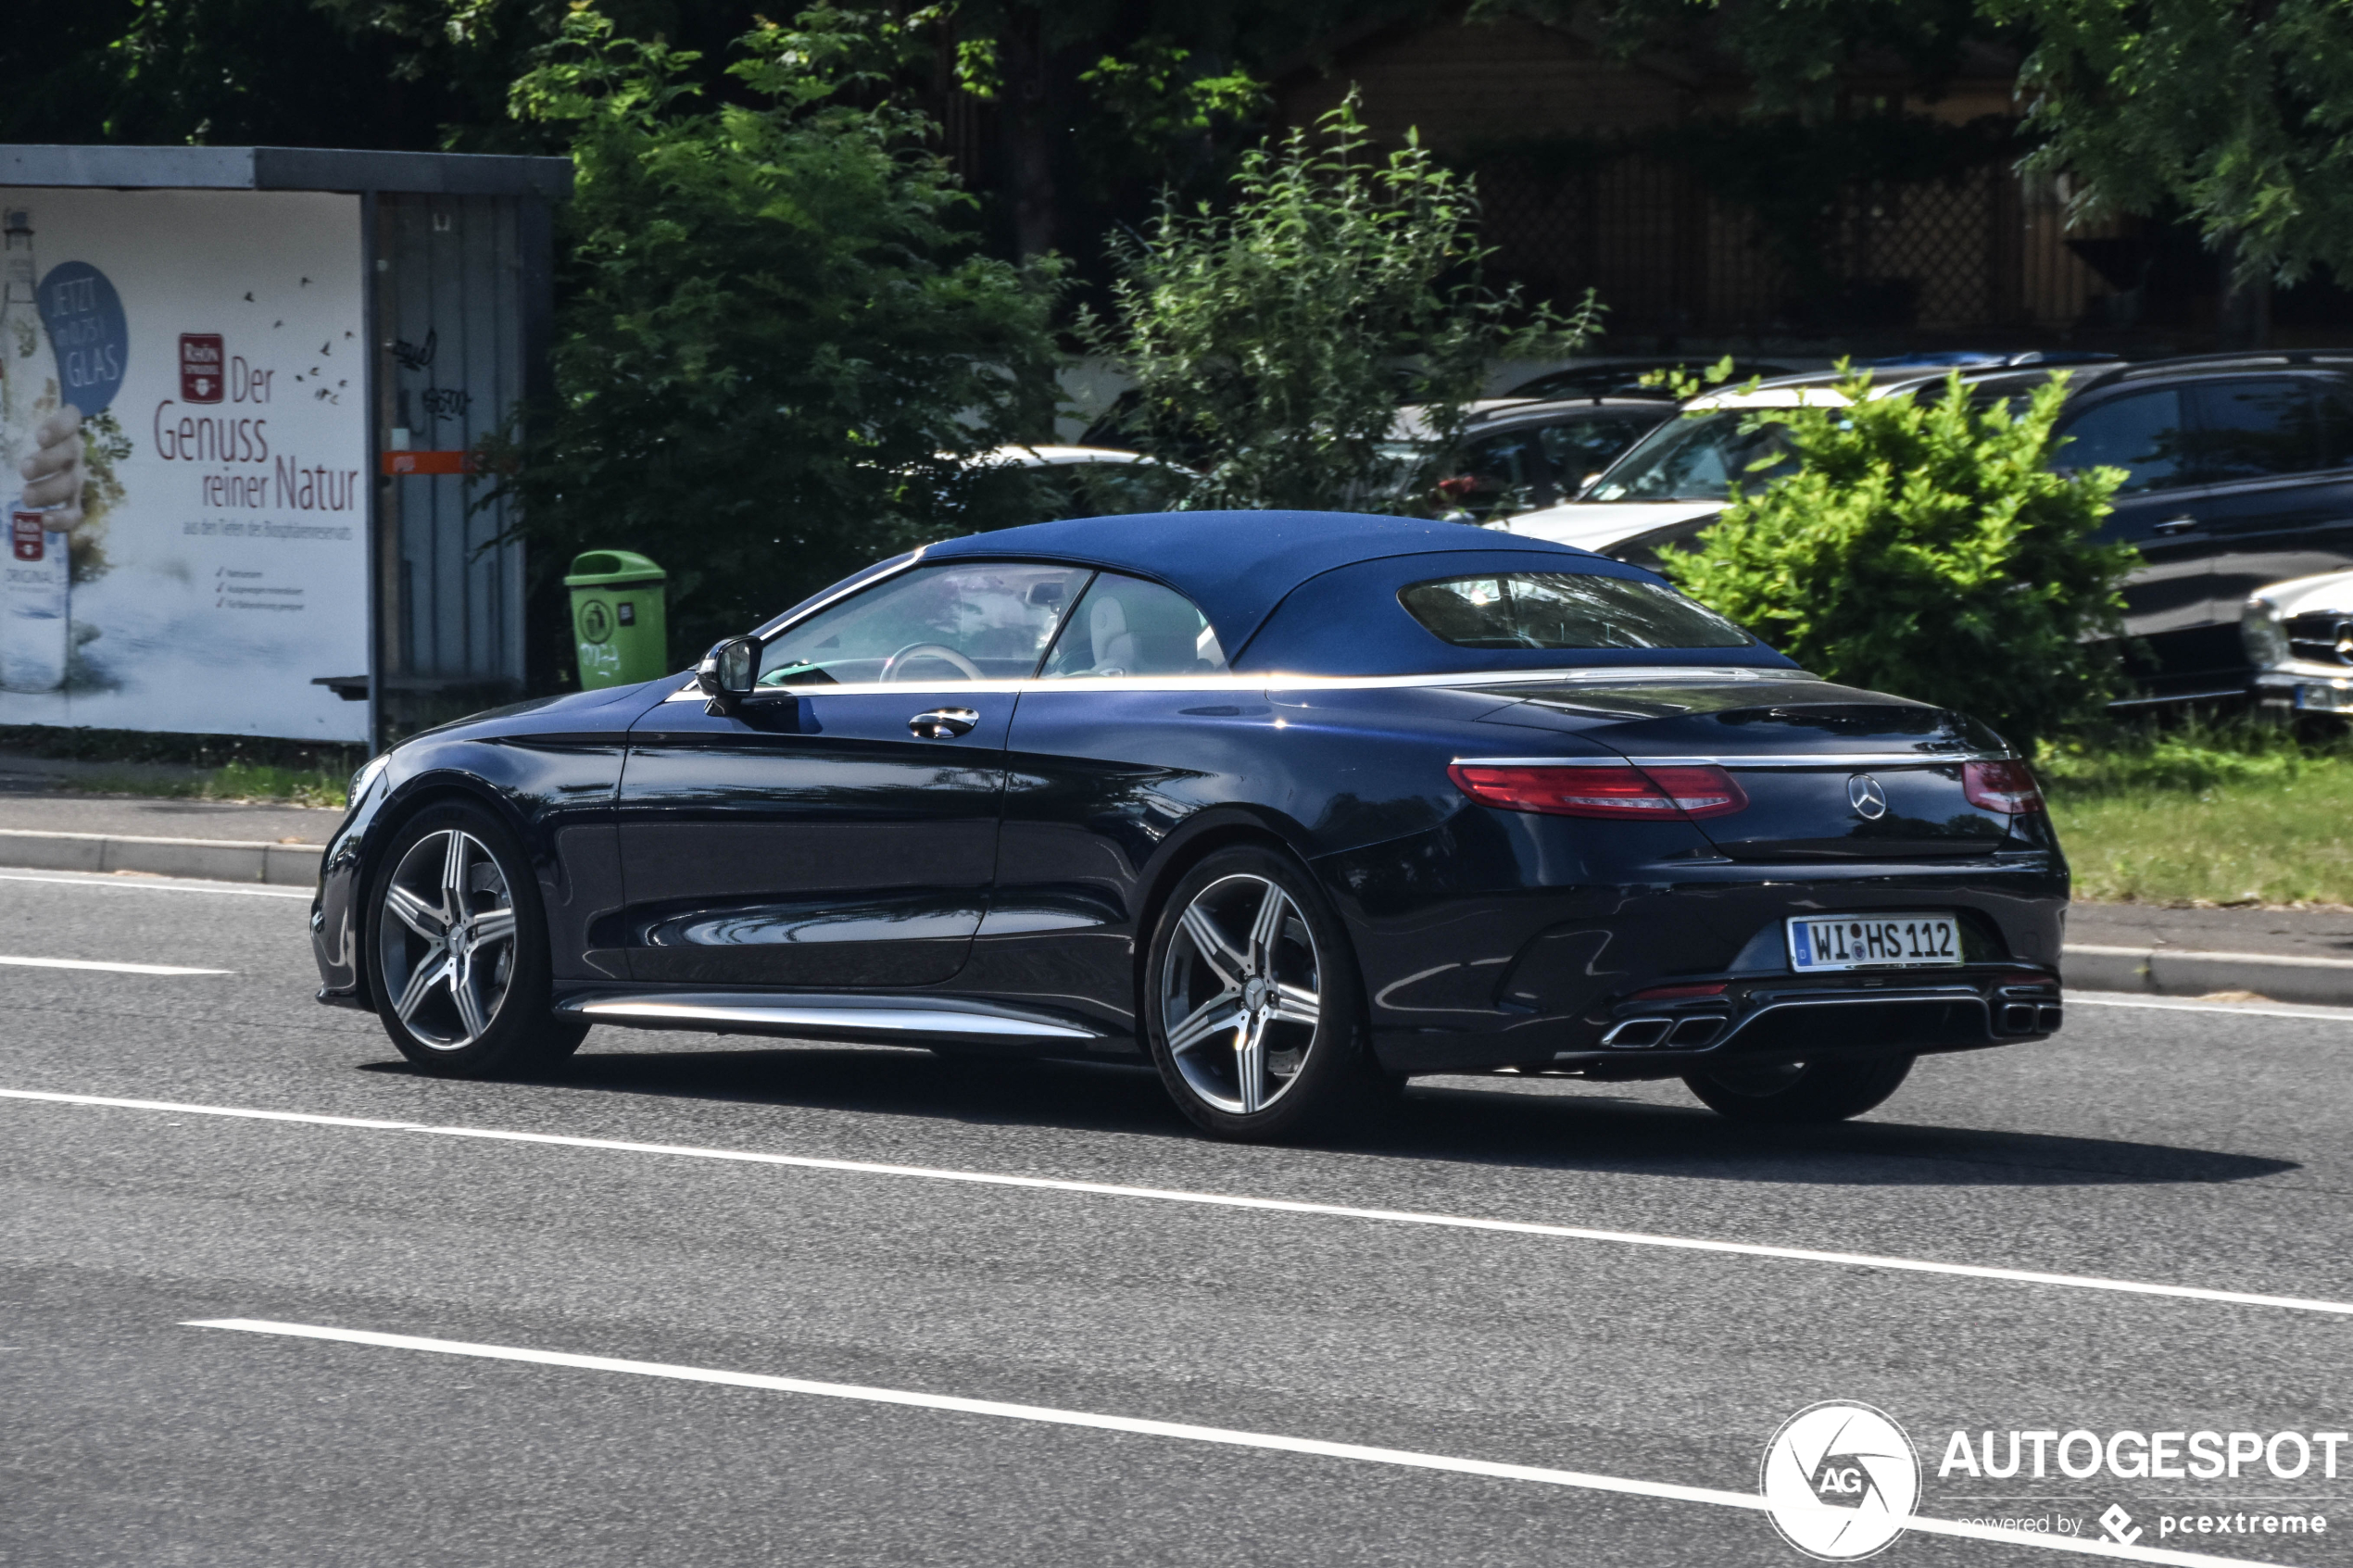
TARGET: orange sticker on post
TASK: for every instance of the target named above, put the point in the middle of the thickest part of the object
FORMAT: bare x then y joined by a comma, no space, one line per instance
406,463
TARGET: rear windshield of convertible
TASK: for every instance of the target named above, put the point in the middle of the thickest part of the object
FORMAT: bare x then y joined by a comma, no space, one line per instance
1564,609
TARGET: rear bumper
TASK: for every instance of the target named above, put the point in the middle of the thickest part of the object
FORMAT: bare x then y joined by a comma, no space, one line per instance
1754,1018
1853,1018
1541,980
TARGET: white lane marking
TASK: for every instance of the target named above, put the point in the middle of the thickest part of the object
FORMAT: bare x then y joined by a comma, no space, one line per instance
1228,1200
173,885
2191,1004
111,968
1186,1432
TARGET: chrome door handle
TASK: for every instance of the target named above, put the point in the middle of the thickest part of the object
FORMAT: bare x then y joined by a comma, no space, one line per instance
2176,524
943,723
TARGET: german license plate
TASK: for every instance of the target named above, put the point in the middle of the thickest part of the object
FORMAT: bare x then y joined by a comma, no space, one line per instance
1873,942
2313,697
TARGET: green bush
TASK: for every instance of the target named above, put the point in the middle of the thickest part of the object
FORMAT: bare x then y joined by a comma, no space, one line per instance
1923,545
1272,342
778,339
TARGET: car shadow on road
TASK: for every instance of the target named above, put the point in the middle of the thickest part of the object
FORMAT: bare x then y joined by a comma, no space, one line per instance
1534,1124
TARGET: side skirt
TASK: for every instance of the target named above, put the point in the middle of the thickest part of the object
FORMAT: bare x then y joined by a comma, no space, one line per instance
945,1020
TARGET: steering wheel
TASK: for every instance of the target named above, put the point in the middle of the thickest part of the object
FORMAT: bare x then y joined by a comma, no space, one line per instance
913,651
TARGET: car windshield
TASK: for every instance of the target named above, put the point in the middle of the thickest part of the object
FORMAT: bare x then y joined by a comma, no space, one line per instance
1564,609
1698,458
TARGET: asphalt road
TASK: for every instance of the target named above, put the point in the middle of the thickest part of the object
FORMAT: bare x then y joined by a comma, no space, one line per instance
2187,1147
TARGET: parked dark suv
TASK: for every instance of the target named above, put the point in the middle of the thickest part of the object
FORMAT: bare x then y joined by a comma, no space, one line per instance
2239,472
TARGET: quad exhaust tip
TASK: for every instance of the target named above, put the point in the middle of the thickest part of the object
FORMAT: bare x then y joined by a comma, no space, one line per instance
1640,1034
1692,1032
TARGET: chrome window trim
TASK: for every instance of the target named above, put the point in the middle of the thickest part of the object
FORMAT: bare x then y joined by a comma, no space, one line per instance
1660,674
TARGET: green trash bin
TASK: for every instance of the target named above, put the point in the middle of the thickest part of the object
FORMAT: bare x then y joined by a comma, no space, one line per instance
617,618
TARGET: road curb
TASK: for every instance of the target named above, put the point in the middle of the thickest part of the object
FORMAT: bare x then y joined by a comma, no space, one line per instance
2176,971
214,860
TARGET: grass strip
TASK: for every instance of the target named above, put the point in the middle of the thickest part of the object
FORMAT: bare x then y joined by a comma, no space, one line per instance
2241,812
248,782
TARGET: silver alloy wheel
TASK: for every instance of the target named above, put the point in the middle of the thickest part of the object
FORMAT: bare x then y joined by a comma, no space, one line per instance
446,943
1240,1016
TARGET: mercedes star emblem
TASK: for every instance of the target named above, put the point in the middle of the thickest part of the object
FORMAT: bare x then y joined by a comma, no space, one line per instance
1868,801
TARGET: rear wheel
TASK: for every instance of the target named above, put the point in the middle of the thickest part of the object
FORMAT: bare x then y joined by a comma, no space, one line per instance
459,948
1250,1002
1798,1091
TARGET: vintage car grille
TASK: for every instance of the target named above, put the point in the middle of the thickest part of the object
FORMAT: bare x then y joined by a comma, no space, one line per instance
2322,637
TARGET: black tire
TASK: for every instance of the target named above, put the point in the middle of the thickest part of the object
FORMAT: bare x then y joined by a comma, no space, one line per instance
511,1028
1317,1077
1799,1092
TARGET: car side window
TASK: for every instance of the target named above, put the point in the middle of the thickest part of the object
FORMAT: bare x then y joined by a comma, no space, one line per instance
1127,626
2141,435
2254,430
977,620
1506,473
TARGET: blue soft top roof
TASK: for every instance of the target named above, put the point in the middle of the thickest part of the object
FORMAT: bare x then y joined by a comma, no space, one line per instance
1238,566
1315,593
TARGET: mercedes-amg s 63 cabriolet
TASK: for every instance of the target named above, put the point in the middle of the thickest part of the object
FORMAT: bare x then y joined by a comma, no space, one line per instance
1291,806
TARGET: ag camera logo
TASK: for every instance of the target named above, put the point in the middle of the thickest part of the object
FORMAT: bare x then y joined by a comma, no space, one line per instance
1839,1480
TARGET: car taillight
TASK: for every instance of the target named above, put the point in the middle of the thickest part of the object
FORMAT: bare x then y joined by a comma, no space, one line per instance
2006,787
1566,790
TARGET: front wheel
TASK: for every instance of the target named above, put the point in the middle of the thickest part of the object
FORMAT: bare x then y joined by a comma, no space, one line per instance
1250,1001
458,947
1798,1091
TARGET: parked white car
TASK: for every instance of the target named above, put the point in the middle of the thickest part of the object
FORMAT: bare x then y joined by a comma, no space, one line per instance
1017,483
1672,483
1669,486
2299,637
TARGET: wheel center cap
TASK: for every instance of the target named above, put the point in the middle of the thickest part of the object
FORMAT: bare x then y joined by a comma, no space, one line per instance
1254,995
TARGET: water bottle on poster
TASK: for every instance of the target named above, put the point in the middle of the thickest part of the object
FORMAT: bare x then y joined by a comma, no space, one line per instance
35,575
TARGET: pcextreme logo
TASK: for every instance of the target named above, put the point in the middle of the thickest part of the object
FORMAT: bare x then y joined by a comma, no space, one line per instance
1839,1480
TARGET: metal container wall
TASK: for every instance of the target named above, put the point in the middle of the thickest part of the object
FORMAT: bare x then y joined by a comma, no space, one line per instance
451,306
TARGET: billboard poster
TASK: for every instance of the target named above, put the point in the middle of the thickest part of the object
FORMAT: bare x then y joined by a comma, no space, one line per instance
185,439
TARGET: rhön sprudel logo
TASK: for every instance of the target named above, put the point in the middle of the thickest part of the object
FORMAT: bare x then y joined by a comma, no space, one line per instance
1839,1481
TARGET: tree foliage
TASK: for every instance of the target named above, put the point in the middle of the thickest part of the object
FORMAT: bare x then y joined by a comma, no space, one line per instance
2236,117
2240,115
1928,548
1796,51
281,72
1268,338
776,341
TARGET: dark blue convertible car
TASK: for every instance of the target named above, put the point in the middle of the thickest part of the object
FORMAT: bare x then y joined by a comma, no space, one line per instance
1293,806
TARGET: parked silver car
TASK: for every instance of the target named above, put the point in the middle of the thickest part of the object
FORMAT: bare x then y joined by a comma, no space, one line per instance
2298,636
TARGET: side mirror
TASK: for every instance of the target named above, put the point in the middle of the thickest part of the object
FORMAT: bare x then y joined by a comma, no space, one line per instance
726,673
